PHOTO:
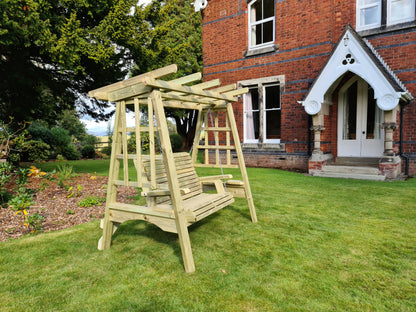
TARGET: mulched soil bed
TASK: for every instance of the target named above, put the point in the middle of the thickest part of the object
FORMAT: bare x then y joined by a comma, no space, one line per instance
60,212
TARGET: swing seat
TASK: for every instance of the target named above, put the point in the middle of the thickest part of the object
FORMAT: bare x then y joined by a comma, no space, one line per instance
196,204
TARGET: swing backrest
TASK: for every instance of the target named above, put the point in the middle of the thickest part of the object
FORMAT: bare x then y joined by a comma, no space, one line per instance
187,177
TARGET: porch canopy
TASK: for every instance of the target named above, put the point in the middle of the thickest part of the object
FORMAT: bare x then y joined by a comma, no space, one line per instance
356,55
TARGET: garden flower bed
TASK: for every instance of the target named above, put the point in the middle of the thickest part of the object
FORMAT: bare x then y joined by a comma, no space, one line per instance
60,206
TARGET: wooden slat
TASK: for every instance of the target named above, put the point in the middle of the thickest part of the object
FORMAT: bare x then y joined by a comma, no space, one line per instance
213,147
159,84
102,93
140,210
151,145
216,166
124,144
138,155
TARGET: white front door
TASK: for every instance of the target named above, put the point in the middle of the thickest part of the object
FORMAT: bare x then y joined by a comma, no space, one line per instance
359,121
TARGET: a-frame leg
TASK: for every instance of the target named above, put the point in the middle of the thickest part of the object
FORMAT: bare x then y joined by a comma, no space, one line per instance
107,224
176,198
241,163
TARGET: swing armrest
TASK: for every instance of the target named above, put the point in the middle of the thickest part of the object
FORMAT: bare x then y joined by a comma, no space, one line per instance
214,182
212,179
157,193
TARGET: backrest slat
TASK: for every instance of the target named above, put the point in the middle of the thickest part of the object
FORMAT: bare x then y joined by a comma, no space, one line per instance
186,173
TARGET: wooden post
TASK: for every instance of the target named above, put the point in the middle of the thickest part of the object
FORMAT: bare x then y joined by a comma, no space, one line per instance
124,143
174,188
197,136
152,145
108,226
242,165
139,159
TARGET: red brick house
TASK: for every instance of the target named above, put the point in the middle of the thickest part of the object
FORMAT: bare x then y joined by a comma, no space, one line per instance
330,81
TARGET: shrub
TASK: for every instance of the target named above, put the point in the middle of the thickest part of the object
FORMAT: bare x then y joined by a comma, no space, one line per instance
36,151
88,151
61,139
106,150
176,142
70,152
144,141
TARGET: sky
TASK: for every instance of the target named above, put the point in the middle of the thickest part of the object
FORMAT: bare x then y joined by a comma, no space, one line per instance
100,128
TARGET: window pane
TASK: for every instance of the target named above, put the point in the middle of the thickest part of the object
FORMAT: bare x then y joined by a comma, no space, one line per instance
400,10
252,115
272,97
370,16
256,10
268,8
273,124
350,113
268,32
254,99
374,116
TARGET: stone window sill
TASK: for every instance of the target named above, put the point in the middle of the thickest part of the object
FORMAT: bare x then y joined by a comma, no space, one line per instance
386,29
259,51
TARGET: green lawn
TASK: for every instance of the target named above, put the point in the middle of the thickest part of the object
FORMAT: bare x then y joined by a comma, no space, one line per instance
320,245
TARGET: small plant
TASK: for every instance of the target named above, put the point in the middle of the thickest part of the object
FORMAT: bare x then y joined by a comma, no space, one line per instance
22,176
35,172
91,201
70,212
5,177
35,222
59,157
74,192
21,204
64,173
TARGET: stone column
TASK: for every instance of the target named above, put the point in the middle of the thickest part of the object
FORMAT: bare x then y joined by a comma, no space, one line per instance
317,130
318,158
390,164
389,128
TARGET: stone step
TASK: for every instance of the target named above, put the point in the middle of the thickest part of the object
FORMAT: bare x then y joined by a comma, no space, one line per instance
351,169
357,161
357,176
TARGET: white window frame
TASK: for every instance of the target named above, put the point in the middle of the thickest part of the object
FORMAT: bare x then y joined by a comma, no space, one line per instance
358,15
409,18
247,111
387,19
262,21
265,110
257,84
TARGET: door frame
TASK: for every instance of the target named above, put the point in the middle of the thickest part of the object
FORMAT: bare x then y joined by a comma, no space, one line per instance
361,146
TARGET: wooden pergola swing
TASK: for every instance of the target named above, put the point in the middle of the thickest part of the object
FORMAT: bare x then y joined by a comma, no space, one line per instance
175,196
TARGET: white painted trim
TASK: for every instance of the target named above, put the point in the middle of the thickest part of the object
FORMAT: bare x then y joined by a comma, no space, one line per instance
262,21
350,56
358,15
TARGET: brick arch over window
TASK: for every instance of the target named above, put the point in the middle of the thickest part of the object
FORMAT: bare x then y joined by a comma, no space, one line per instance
353,54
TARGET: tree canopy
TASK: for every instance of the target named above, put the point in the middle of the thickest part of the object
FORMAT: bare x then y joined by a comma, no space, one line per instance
54,51
176,38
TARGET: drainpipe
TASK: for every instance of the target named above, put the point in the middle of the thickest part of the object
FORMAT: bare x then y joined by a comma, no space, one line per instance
406,170
309,135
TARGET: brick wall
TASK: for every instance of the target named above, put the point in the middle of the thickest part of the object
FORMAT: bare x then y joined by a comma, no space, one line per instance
306,32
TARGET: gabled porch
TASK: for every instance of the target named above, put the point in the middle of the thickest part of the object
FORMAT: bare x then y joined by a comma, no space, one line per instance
354,104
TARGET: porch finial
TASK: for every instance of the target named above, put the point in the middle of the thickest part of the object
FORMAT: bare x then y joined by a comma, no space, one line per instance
200,5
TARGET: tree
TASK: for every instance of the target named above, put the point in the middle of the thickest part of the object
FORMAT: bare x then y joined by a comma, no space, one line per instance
53,51
176,37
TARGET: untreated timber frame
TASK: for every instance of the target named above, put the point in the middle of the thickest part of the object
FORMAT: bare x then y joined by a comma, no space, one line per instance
149,90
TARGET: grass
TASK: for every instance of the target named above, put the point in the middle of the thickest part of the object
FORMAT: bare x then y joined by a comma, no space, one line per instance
320,245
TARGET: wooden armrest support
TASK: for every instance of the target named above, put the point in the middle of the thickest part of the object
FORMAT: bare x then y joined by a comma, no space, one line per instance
157,193
212,179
